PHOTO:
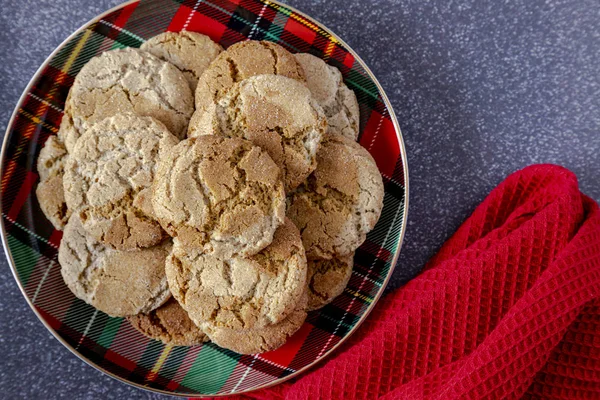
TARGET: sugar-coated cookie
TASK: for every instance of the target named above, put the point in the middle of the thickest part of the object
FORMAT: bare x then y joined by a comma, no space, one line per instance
327,87
119,283
340,202
240,293
190,52
108,179
260,340
218,195
241,61
276,113
327,279
67,134
50,192
128,80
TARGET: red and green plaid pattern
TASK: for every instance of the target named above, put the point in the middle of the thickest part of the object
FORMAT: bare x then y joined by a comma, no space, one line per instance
110,343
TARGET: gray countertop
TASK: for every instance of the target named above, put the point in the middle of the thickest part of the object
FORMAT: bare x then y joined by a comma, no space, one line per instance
480,88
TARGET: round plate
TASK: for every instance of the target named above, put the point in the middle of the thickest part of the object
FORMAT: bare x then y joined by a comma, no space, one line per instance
111,344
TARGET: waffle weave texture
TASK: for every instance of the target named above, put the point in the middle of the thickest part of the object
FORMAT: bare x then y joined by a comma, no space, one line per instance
508,308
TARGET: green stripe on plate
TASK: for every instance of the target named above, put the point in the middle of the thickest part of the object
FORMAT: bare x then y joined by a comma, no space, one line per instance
25,258
80,316
110,331
210,371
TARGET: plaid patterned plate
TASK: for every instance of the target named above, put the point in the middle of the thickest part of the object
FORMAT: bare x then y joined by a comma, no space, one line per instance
111,344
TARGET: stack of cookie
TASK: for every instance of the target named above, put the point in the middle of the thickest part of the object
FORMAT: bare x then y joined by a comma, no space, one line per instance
224,215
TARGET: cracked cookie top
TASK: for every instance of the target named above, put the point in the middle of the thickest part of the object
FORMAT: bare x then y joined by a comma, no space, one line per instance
170,324
119,283
340,202
129,80
190,52
327,87
241,61
218,195
260,340
238,292
50,192
108,179
327,279
275,113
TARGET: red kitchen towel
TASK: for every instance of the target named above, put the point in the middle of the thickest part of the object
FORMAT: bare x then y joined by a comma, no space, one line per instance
508,308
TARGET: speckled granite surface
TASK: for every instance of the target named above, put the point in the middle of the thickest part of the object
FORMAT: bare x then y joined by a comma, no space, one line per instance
481,88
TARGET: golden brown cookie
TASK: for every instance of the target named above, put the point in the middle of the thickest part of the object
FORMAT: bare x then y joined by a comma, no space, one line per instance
190,52
275,113
170,324
108,180
327,279
340,202
49,192
221,196
327,87
241,61
67,134
240,293
260,340
119,283
129,81
51,160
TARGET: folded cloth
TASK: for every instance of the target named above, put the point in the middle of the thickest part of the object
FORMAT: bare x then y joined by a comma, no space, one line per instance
508,308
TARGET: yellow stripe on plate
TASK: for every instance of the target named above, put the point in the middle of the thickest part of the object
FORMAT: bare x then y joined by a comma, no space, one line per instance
330,47
360,296
297,17
159,362
36,120
68,64
76,51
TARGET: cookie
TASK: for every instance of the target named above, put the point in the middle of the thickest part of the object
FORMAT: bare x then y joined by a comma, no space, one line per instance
67,134
190,52
241,61
275,113
327,87
340,202
129,80
49,192
119,283
240,293
51,161
260,340
51,198
170,324
220,196
327,279
108,179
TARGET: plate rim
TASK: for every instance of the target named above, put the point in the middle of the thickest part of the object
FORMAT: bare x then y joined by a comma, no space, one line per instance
301,371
